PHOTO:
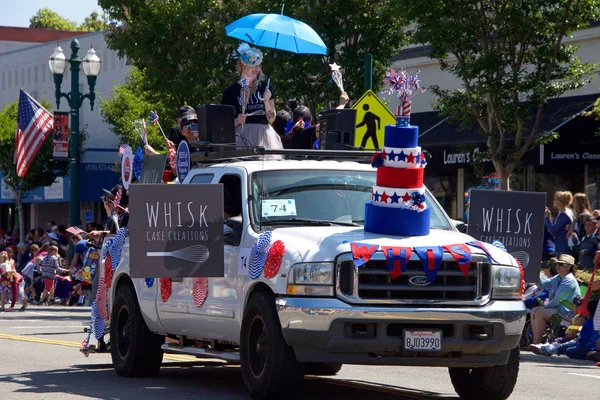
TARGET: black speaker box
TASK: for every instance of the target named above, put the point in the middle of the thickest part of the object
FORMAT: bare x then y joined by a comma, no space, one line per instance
337,126
216,123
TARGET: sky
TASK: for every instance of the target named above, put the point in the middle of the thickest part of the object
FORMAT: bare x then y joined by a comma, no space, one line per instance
18,13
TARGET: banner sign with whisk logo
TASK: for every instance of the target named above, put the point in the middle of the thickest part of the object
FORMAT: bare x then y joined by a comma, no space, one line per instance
176,231
515,219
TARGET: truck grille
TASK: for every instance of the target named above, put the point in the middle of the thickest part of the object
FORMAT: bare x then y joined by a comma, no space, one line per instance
372,283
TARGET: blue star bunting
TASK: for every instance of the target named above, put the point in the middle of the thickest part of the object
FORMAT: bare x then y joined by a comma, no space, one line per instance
391,156
376,196
401,156
395,197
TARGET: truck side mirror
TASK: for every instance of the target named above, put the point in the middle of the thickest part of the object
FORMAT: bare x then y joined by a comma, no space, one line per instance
461,226
236,225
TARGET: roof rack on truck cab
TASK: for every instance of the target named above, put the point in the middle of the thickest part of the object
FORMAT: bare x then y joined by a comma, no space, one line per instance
208,153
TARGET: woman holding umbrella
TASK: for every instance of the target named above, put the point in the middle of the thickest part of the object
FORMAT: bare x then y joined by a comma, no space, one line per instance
252,98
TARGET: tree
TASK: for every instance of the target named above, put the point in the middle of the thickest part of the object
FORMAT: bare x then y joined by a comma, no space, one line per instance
130,101
350,29
183,51
511,57
42,171
94,22
48,19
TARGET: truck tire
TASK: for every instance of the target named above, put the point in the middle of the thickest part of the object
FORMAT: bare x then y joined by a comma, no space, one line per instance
490,383
268,364
322,369
135,351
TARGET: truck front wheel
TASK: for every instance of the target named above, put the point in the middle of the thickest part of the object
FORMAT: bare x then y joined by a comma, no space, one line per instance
490,383
269,366
135,351
322,369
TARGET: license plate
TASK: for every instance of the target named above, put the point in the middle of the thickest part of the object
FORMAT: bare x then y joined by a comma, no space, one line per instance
423,340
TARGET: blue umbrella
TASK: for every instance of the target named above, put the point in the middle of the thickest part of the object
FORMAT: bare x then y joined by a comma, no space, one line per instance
277,31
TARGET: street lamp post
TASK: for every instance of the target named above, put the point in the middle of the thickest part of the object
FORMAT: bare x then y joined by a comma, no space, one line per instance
91,68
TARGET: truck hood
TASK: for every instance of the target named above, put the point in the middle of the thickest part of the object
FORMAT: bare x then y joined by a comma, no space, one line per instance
325,243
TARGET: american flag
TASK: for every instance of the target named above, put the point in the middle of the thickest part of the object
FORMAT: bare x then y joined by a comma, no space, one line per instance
121,150
34,123
75,230
153,117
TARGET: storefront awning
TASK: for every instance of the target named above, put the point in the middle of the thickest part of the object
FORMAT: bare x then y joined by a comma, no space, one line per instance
92,178
451,147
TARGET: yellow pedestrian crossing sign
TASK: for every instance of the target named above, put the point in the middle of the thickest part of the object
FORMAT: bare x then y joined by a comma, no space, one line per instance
371,118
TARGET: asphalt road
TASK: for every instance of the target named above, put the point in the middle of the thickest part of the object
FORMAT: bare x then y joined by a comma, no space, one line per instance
40,359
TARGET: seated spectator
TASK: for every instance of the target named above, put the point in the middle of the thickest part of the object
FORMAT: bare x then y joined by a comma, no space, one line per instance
577,348
588,245
563,286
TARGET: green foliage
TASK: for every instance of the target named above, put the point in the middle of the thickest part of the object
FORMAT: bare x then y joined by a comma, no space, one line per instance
94,23
185,56
510,57
48,19
42,171
130,101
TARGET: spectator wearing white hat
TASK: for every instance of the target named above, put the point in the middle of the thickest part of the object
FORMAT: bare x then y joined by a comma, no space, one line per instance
563,286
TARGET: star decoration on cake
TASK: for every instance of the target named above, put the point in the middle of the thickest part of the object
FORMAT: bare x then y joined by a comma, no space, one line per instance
384,154
406,197
376,196
410,158
401,156
395,197
384,197
391,156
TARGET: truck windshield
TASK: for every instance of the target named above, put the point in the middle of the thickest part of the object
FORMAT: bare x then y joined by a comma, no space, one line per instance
318,198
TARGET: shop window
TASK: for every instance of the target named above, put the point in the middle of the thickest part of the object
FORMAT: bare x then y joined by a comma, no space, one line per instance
443,188
551,180
592,190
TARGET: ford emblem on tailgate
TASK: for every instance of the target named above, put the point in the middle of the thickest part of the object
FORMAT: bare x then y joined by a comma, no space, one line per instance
419,281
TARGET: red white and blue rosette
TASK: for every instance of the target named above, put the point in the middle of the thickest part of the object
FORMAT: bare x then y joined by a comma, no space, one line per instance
259,253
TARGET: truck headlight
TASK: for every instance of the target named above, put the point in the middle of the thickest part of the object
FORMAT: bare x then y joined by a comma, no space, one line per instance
506,283
311,279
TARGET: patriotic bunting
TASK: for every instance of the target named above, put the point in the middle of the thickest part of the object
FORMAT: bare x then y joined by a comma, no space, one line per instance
481,246
462,256
274,258
362,252
431,259
397,258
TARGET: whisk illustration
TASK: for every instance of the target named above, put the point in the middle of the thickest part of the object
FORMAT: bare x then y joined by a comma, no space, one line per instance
196,253
522,257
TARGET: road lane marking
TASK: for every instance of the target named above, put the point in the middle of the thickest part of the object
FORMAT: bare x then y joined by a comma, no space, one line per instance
170,357
584,375
45,326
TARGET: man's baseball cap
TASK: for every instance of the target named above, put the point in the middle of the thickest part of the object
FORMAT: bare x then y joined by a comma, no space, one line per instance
187,118
185,110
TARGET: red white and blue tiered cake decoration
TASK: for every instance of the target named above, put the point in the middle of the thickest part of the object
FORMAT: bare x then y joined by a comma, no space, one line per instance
398,205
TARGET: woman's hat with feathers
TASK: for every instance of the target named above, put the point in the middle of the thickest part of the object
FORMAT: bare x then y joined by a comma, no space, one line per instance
248,55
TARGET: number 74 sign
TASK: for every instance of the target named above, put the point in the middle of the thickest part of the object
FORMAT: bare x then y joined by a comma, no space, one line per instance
278,208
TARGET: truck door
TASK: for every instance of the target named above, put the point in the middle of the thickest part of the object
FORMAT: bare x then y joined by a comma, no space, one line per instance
216,318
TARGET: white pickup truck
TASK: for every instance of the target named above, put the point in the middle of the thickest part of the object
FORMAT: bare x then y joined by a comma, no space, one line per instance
320,311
